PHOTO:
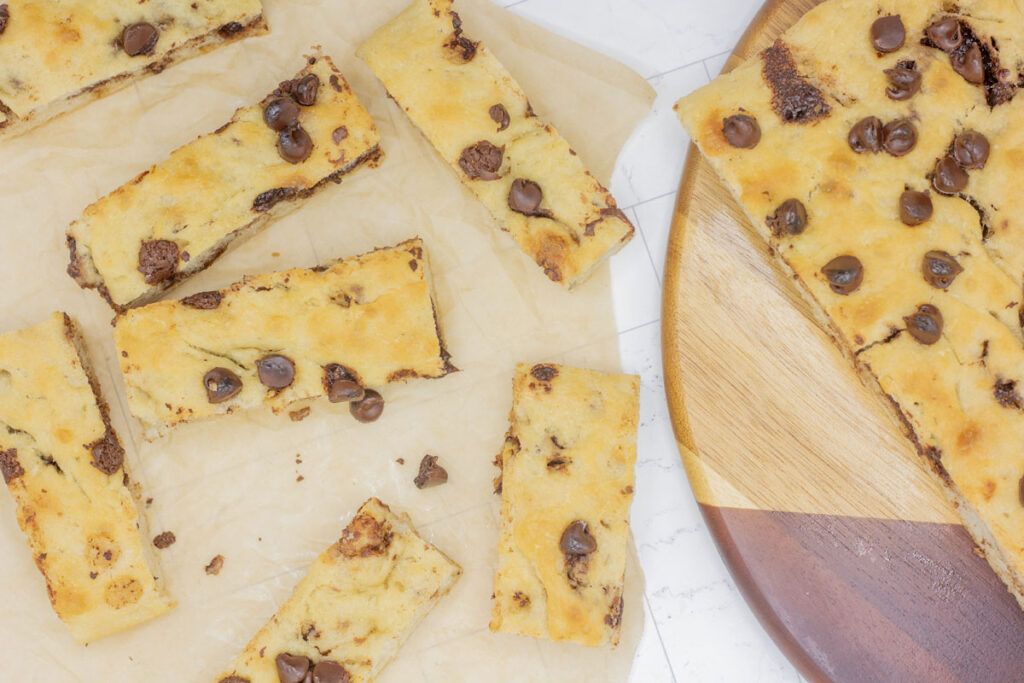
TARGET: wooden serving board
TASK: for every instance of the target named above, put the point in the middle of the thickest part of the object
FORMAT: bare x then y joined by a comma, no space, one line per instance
841,541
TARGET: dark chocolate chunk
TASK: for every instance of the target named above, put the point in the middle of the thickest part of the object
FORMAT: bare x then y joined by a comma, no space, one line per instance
939,269
866,135
915,207
139,39
971,149
107,453
1006,394
790,218
544,373
430,474
369,408
267,200
949,176
500,116
577,539
888,34
203,300
481,161
292,668
280,113
903,83
294,144
328,671
925,324
341,384
305,89
525,197
741,131
5,16
970,64
794,99
339,134
164,540
221,385
10,468
158,260
945,34
276,371
844,274
899,137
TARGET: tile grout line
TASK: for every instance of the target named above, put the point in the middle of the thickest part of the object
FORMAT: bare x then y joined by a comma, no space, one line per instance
637,327
648,200
661,641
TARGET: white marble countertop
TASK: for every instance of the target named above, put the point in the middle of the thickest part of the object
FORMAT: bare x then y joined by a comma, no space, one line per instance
698,627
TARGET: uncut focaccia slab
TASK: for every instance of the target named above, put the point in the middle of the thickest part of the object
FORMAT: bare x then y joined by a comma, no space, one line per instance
64,466
283,337
479,119
176,218
566,487
56,56
360,601
876,149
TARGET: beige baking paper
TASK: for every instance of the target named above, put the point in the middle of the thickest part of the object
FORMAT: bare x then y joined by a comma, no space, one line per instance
270,494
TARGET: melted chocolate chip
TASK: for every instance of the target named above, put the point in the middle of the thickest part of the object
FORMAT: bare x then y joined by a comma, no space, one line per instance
544,373
203,300
230,28
139,39
970,65
294,144
500,116
107,453
1006,394
221,385
164,540
280,113
899,137
341,384
844,274
158,259
430,474
525,197
305,89
915,207
292,668
949,177
866,135
5,16
339,134
790,217
234,679
903,83
577,539
925,324
267,200
369,408
460,44
939,269
481,161
971,149
329,671
10,468
794,99
741,131
276,371
888,34
945,34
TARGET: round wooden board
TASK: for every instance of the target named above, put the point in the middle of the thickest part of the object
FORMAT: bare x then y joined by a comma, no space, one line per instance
841,541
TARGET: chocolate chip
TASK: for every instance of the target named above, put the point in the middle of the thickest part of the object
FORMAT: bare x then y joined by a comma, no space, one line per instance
577,540
1006,394
5,16
369,408
970,65
164,540
888,34
203,300
866,135
971,149
107,453
280,113
741,131
305,89
230,28
790,217
158,259
329,671
139,39
500,116
292,668
430,474
949,176
915,207
10,468
939,269
844,274
221,385
925,324
341,384
339,134
525,197
294,144
544,373
481,160
903,83
276,371
945,34
899,137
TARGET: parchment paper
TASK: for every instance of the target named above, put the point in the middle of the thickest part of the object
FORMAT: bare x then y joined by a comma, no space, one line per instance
231,486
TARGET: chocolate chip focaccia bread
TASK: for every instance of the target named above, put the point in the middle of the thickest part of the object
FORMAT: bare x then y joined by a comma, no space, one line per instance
876,149
65,468
174,219
360,601
278,338
478,118
566,486
56,56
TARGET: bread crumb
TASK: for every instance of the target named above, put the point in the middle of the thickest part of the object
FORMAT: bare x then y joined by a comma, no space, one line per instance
215,565
165,539
299,415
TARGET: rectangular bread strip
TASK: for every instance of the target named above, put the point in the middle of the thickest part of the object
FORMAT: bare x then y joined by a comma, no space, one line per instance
372,314
950,373
568,458
57,56
359,603
64,466
176,218
479,120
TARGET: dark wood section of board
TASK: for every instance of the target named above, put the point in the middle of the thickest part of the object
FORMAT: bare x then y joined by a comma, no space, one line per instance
854,599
